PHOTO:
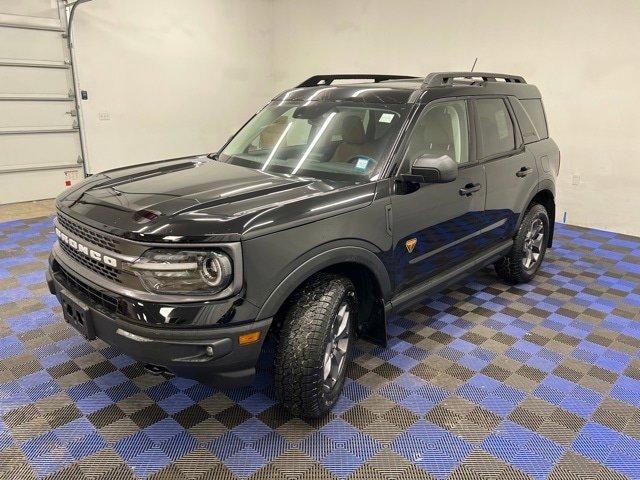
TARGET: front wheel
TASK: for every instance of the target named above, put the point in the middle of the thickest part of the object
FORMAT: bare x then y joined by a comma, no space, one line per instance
529,246
314,345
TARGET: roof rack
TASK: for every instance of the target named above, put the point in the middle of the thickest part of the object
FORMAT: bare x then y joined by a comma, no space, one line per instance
328,79
442,79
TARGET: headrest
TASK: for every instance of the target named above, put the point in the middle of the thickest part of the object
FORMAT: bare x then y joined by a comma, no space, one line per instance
270,134
352,129
437,126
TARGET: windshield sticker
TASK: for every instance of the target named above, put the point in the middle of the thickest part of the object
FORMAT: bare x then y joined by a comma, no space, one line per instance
362,164
386,118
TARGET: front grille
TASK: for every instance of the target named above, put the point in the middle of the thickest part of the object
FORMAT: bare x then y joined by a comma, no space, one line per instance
90,235
93,265
97,297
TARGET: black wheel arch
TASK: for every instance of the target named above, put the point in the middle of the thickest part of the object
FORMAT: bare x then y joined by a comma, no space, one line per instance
358,263
544,195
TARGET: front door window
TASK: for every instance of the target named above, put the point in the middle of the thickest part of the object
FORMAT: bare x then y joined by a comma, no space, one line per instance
442,129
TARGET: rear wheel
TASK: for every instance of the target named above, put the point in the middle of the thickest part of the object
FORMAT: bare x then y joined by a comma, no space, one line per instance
314,345
530,244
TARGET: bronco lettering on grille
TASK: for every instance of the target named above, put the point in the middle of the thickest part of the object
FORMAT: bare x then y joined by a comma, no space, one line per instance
76,245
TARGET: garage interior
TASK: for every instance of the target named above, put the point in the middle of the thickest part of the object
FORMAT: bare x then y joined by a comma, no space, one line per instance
482,381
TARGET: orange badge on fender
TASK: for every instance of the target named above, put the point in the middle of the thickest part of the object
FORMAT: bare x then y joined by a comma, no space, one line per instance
410,244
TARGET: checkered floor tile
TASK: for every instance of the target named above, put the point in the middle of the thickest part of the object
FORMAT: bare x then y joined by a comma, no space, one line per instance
482,381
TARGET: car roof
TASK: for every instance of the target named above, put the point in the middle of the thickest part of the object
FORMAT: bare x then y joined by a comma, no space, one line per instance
398,89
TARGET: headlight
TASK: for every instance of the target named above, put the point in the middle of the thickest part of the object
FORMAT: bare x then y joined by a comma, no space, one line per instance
184,272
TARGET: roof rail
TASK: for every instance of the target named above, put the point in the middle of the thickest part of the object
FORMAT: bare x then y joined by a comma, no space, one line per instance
442,79
328,79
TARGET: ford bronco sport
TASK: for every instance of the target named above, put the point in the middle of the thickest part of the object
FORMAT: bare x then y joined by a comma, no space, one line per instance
337,204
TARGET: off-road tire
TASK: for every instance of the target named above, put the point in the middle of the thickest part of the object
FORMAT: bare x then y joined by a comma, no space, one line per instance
305,333
510,268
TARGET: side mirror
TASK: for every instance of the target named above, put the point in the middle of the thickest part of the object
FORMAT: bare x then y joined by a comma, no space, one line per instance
429,168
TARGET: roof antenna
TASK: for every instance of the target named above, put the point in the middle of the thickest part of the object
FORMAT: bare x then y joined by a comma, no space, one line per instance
474,64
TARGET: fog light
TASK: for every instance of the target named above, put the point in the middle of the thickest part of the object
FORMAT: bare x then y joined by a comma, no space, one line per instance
247,338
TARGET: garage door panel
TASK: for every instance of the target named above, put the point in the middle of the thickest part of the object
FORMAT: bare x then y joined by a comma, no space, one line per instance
36,185
28,80
34,45
31,22
39,144
21,115
47,9
38,150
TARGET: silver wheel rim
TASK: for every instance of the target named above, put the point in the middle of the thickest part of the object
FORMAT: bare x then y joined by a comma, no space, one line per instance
533,242
335,354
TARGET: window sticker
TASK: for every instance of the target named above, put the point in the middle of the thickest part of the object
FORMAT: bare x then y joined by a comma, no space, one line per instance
386,118
362,164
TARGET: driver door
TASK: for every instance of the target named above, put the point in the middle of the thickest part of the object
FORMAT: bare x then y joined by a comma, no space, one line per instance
436,226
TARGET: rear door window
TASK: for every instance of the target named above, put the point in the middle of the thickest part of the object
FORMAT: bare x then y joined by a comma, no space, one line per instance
495,128
535,111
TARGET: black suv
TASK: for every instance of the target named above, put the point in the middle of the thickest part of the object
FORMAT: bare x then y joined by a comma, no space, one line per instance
336,205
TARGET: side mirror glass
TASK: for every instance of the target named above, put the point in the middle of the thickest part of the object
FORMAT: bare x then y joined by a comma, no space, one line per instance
431,168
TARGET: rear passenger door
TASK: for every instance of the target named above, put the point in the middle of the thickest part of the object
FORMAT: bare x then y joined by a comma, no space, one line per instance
511,172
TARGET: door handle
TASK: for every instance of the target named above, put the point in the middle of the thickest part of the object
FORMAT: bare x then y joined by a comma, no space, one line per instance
523,172
469,188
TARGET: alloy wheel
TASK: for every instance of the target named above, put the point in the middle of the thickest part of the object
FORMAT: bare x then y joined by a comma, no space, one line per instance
532,246
336,351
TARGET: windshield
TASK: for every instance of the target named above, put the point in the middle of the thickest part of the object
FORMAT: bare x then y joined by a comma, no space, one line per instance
330,141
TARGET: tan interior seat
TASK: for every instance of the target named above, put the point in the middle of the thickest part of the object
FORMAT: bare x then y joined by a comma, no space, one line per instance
354,141
434,135
270,134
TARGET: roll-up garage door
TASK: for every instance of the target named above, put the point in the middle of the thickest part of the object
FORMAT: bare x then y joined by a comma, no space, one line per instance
40,150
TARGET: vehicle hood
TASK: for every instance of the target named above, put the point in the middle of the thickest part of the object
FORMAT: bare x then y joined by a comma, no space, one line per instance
198,199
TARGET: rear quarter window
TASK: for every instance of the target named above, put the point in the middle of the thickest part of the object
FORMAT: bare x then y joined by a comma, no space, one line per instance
529,132
534,109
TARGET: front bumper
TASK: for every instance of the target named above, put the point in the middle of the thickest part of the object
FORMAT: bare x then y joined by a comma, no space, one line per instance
211,355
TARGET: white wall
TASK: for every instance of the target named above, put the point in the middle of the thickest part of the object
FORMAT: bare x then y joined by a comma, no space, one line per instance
173,78
582,54
178,77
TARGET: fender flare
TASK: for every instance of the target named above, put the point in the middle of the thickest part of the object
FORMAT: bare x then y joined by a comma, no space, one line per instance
319,259
545,184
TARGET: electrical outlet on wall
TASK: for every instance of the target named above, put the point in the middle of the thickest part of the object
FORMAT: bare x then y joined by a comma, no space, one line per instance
575,180
104,116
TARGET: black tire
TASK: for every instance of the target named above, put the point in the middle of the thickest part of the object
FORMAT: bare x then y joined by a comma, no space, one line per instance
307,329
512,268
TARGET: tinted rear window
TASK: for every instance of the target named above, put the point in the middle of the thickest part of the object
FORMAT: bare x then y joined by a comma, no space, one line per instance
535,111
